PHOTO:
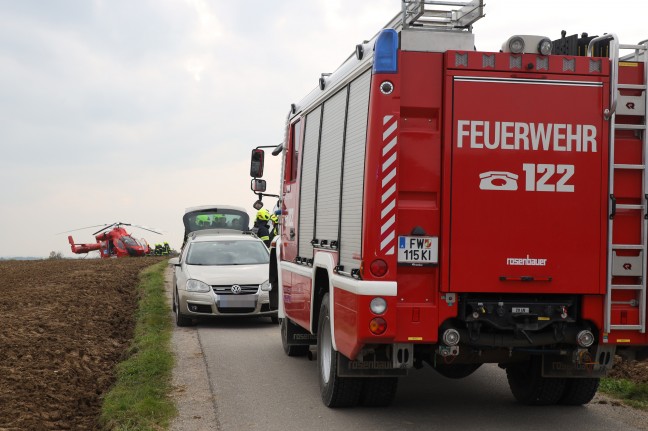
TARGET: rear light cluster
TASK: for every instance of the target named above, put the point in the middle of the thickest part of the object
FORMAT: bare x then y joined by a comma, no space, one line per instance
378,325
378,268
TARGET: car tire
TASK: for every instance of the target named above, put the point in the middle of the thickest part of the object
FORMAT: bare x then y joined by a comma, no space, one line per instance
579,391
336,391
180,319
530,388
291,350
378,391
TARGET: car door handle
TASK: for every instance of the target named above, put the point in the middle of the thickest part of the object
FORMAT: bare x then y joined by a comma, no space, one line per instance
292,233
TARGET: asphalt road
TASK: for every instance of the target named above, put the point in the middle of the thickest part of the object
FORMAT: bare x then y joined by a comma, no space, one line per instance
233,375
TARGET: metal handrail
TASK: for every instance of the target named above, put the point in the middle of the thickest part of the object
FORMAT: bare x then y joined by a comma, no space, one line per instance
614,73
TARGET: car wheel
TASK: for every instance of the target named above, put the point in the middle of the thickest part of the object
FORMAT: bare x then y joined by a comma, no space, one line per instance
579,391
291,350
529,387
180,319
336,391
378,391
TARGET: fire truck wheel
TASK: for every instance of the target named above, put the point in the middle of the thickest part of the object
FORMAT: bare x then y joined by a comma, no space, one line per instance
291,350
378,391
336,391
179,318
579,391
456,371
529,387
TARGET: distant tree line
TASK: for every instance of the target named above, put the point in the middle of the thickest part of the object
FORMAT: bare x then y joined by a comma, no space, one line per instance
55,255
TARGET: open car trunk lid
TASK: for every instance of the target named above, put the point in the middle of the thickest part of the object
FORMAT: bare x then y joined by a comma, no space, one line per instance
215,217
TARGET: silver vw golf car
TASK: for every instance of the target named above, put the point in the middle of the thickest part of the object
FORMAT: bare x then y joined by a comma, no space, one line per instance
221,273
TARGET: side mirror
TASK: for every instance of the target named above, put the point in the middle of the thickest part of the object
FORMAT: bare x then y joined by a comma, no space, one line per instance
174,261
258,205
256,165
258,186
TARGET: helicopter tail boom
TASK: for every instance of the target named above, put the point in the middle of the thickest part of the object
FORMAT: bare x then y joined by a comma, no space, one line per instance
82,248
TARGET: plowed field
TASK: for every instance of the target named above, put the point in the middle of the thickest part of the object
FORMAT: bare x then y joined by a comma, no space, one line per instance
65,324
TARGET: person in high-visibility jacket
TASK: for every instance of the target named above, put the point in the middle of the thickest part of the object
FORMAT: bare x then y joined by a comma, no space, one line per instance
261,226
166,249
203,220
275,226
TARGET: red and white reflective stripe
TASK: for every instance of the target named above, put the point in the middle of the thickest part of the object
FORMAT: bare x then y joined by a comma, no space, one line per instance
388,185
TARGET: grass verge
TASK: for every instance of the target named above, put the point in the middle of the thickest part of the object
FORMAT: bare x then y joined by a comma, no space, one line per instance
632,394
139,400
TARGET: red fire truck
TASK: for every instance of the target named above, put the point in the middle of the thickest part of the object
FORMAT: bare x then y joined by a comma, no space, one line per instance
451,207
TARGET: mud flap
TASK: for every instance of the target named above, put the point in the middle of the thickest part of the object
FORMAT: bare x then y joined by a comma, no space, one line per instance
579,363
298,336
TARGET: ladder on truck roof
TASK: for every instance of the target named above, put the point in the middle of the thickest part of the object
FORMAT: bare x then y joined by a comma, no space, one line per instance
441,15
618,106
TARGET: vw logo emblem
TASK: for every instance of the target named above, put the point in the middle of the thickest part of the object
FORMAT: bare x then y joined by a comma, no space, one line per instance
236,289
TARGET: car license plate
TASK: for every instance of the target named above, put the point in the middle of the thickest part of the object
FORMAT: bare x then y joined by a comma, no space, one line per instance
520,310
235,301
418,250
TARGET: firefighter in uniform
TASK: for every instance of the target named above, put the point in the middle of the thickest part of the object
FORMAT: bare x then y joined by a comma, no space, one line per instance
158,249
203,220
275,226
166,248
261,226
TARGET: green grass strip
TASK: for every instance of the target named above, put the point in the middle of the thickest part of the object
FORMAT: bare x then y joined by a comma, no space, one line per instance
140,398
632,394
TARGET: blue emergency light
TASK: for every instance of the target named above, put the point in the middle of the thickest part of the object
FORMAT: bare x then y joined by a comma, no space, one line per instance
386,52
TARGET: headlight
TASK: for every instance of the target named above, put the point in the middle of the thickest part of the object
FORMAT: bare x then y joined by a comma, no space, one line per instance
197,286
266,286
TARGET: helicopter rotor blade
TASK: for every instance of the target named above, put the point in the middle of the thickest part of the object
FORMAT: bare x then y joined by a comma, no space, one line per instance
146,228
81,228
104,228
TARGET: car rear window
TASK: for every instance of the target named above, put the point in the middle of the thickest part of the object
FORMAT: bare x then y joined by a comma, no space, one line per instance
227,253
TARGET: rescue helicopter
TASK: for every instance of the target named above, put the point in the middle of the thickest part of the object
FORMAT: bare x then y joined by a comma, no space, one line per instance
113,241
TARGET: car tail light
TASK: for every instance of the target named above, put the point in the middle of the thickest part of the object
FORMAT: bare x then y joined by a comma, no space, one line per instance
378,268
377,326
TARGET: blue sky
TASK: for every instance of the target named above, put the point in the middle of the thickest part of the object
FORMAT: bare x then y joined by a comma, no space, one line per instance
122,110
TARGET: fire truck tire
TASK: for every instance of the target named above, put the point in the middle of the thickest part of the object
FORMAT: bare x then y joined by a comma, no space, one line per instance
530,388
180,319
456,371
336,391
378,391
579,391
291,350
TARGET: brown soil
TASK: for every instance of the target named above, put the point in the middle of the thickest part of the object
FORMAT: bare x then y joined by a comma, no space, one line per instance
65,324
636,371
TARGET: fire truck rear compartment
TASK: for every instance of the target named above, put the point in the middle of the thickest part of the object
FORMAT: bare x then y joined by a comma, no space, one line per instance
527,212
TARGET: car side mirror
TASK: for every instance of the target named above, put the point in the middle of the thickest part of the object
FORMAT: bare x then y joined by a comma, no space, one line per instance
174,261
256,163
258,186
